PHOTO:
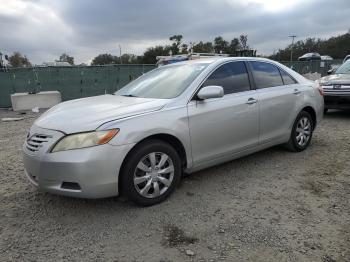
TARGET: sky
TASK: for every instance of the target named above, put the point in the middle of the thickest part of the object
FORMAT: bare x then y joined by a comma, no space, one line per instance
44,29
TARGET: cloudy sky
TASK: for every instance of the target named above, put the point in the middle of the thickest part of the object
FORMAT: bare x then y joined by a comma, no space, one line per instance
44,29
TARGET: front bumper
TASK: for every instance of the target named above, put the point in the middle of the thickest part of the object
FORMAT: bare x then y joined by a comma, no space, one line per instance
88,173
337,102
337,97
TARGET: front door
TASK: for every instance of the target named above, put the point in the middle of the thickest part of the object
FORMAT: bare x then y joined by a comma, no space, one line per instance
227,125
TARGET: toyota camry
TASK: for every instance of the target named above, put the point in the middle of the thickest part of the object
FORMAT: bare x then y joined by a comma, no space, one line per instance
174,119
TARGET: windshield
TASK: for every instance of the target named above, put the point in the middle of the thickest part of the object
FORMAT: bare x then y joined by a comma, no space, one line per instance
163,82
344,68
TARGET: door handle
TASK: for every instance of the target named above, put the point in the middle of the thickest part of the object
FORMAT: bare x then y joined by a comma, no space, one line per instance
296,92
251,101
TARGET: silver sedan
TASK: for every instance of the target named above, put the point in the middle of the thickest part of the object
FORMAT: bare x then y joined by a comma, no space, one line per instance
177,118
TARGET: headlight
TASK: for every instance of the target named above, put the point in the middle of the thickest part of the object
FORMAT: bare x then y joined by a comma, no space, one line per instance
82,140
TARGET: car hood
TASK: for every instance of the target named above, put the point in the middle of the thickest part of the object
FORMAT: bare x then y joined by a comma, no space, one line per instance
89,113
337,79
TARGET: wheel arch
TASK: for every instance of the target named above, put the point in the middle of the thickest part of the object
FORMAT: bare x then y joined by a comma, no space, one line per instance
312,112
167,138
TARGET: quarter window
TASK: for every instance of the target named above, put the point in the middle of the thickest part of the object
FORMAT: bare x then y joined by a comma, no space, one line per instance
287,79
233,77
266,75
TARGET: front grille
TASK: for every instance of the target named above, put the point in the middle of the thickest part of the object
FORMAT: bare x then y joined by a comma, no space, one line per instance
337,90
36,141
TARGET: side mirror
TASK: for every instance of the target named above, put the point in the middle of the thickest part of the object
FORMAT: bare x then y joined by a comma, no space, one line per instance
210,92
330,71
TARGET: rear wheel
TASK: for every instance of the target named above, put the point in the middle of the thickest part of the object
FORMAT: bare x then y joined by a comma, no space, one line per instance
151,173
301,133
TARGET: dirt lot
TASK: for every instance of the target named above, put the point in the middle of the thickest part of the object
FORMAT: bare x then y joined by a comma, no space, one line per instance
270,206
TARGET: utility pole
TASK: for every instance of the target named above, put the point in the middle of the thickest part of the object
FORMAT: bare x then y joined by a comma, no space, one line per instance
192,45
291,49
120,54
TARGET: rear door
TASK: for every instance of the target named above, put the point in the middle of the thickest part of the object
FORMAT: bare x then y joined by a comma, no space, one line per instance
222,126
277,93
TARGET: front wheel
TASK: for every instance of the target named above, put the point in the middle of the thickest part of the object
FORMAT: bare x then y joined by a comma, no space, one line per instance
301,133
151,173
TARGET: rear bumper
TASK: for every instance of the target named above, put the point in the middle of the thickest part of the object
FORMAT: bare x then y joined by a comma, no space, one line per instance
87,173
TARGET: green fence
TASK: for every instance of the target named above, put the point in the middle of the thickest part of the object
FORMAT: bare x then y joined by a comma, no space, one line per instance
76,82
72,82
304,67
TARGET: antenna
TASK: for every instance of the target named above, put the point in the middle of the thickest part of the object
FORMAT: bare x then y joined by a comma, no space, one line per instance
120,54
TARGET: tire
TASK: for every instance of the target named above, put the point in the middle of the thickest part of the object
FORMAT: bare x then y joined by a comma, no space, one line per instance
151,173
301,134
325,110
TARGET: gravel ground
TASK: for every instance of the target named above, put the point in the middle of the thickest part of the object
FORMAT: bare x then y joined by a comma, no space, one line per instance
270,206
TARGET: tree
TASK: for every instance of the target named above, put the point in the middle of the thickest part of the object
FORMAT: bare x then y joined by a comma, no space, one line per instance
130,59
220,45
175,46
149,57
105,59
66,58
243,39
184,49
235,45
337,47
202,47
18,60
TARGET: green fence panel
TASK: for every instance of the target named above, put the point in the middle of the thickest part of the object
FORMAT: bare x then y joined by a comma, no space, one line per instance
112,81
304,67
76,81
72,82
6,87
23,80
93,81
123,76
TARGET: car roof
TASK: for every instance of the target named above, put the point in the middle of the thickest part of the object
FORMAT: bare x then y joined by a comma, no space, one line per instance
219,59
215,61
311,54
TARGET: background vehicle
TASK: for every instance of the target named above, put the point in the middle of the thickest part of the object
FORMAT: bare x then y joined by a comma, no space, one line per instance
326,58
336,88
177,118
310,57
166,60
346,58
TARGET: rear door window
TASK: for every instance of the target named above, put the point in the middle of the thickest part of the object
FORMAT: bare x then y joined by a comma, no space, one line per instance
266,75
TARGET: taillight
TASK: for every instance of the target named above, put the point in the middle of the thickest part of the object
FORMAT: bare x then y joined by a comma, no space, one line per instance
320,90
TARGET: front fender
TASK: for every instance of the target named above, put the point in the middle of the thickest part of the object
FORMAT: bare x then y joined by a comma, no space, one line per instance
173,121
